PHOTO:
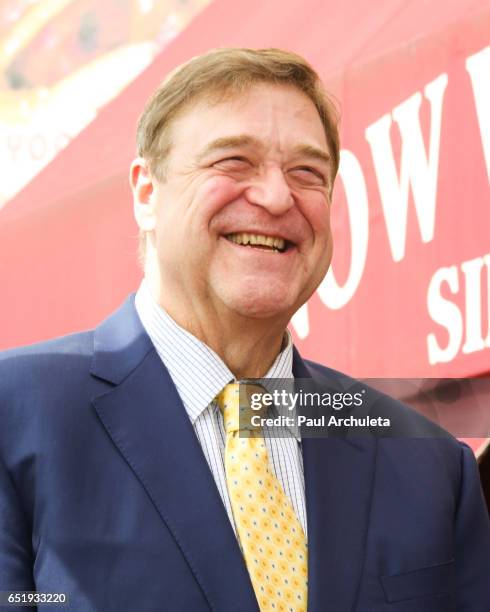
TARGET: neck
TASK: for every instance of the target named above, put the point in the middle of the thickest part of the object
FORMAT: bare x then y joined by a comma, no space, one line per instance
248,346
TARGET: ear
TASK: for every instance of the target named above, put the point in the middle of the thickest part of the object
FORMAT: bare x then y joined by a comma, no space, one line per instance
143,188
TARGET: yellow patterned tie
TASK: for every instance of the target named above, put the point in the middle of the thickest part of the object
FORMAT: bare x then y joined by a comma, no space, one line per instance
271,537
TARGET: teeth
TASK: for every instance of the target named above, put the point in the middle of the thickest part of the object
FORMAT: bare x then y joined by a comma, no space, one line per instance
258,239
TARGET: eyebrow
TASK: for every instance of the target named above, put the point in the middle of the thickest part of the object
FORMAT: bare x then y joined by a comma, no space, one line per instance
229,142
246,140
313,152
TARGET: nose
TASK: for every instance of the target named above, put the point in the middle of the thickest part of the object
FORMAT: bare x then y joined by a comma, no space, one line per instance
271,191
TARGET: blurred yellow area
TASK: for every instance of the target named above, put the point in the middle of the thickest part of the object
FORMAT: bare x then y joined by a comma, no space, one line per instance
62,60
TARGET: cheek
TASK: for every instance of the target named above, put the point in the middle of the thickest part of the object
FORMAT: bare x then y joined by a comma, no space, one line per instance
212,196
185,214
316,211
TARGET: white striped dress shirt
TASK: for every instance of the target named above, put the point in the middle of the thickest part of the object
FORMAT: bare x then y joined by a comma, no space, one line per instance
199,375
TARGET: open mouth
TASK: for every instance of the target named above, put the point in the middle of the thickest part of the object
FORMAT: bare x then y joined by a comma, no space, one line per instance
260,241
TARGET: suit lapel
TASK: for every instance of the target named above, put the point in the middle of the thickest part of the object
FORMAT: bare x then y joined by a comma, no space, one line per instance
339,476
145,418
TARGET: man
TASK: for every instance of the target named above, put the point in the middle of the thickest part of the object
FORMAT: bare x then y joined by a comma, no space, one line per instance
127,482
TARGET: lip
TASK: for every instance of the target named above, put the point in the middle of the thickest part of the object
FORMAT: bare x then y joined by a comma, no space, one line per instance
258,251
290,243
292,238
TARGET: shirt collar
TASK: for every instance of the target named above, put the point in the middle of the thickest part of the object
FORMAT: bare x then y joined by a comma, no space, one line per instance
191,363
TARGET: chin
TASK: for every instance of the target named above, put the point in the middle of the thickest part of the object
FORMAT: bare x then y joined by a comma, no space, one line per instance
261,304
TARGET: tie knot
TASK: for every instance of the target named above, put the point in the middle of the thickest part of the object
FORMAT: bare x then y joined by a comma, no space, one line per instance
239,403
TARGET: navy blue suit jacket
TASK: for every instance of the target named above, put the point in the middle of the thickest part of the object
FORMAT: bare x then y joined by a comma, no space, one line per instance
105,495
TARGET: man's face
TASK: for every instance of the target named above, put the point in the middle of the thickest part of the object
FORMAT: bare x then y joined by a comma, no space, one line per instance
242,219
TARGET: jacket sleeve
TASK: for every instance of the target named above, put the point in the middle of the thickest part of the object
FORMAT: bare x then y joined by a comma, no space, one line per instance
15,541
472,540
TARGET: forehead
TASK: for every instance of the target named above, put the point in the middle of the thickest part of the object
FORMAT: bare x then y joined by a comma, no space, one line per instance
278,116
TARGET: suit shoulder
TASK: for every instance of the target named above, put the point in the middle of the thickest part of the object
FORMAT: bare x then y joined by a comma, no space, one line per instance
406,422
329,374
76,343
50,356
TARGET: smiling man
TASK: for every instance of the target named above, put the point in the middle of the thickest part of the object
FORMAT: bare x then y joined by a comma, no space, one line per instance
247,190
127,480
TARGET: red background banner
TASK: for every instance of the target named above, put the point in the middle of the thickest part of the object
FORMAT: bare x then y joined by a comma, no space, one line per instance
409,290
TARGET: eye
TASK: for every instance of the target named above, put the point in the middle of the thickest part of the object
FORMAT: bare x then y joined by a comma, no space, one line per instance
234,163
308,175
